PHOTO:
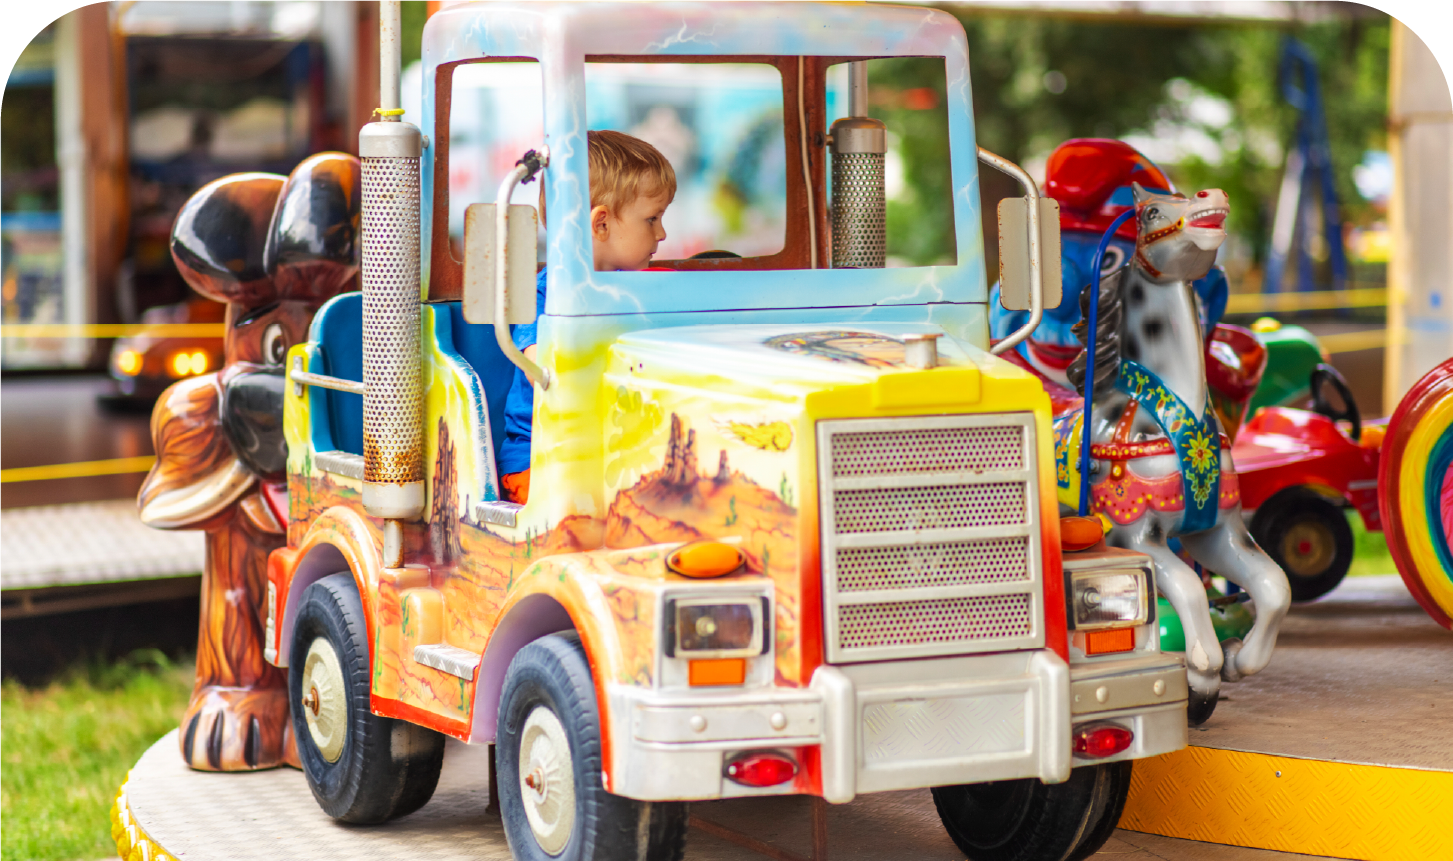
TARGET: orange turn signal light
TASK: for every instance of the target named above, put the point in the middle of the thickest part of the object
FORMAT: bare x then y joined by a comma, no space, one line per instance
1079,533
717,671
1109,641
702,560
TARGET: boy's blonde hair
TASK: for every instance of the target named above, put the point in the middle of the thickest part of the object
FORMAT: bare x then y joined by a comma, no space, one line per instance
623,168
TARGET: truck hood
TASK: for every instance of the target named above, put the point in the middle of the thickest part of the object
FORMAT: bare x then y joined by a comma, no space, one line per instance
789,361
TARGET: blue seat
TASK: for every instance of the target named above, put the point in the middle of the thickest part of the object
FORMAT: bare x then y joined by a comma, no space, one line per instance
338,329
475,343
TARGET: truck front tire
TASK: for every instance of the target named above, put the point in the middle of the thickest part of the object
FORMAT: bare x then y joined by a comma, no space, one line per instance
363,769
552,799
1025,820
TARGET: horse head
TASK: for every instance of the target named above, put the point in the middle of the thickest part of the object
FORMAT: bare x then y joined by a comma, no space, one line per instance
1177,236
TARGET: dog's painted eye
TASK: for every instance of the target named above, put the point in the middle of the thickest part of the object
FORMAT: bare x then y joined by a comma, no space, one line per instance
274,348
1113,258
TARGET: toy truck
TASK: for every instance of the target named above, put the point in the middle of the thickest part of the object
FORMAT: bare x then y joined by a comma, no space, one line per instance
792,528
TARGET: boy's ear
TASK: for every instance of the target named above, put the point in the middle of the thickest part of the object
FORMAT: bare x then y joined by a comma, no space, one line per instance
599,222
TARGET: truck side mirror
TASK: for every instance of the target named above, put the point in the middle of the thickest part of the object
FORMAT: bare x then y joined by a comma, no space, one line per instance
1014,252
479,263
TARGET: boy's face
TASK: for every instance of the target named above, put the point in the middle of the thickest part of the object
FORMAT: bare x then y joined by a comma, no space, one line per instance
626,240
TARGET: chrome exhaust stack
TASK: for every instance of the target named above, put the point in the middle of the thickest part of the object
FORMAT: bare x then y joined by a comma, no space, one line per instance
393,397
859,146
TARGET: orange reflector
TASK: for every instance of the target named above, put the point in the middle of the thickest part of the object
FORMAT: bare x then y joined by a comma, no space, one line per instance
1112,640
1079,533
705,559
718,671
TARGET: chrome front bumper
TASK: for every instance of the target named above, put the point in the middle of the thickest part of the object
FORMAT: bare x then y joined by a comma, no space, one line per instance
898,725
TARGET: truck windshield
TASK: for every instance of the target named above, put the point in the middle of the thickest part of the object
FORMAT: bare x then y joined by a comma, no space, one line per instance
755,158
720,126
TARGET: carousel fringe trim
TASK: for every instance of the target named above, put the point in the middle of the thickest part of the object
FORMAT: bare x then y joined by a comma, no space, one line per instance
132,843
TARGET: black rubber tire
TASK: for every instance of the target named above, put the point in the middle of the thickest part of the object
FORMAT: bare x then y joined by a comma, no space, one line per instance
1297,507
553,672
1112,787
1025,820
387,767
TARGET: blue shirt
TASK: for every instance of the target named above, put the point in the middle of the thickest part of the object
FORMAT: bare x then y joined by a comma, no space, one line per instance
514,451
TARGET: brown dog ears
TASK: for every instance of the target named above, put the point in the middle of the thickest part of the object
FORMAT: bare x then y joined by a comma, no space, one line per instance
251,239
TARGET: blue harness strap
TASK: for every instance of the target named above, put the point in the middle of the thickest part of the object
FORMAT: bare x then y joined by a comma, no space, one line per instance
1197,442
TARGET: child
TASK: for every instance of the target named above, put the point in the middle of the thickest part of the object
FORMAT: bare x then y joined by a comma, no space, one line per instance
631,184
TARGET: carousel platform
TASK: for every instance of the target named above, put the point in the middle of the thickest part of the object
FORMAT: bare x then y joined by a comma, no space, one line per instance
1343,747
1340,749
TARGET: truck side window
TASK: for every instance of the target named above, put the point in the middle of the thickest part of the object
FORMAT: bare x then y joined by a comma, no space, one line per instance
496,113
908,94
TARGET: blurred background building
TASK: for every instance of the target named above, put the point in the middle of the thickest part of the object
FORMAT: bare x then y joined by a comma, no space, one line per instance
117,112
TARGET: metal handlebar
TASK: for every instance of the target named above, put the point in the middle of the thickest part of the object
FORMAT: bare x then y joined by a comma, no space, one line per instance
300,378
1036,255
525,170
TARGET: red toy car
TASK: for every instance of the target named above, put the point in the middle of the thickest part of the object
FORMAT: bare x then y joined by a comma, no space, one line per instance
1298,470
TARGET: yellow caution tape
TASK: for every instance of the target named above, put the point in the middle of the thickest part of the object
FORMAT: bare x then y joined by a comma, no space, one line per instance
81,469
112,330
1350,342
1260,303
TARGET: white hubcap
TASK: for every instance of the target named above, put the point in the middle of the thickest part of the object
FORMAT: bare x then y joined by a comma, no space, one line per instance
325,699
547,780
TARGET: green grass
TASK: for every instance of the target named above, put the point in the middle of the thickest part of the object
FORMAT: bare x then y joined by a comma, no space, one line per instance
1369,550
66,749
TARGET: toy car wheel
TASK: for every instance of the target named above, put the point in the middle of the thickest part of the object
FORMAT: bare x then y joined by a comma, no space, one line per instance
1308,536
1019,820
552,799
362,768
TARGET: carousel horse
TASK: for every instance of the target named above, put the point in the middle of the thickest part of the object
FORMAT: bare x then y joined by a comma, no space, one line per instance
1160,467
1091,180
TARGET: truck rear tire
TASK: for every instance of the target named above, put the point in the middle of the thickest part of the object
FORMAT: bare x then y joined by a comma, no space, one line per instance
363,769
1308,536
1026,820
552,799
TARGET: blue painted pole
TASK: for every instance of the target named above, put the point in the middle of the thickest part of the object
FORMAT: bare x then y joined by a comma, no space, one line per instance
1093,319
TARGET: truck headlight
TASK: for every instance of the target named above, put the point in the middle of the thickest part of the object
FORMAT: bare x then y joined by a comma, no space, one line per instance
714,627
1109,598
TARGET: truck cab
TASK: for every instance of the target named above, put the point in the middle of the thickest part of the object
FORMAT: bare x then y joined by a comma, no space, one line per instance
792,527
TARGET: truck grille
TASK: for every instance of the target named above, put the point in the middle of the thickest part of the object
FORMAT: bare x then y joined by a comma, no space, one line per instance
930,536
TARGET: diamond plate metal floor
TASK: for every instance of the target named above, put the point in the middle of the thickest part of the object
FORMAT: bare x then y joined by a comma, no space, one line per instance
1361,676
85,543
270,815
1338,748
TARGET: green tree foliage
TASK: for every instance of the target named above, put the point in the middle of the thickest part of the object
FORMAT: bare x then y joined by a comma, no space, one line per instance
412,15
1040,80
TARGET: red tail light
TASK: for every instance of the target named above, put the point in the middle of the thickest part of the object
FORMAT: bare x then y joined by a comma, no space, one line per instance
762,768
1099,740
